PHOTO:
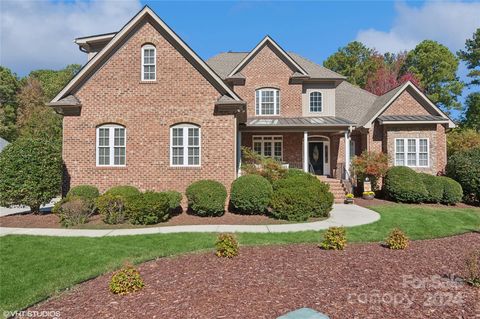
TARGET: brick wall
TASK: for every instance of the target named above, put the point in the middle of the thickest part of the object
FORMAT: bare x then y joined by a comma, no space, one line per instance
406,104
115,94
266,69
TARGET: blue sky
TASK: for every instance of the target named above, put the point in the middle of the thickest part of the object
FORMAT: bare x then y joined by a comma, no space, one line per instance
39,34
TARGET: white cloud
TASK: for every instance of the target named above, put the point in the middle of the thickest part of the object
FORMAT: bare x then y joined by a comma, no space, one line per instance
40,34
449,23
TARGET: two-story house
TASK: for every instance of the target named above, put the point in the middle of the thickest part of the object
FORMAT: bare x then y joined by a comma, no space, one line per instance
147,111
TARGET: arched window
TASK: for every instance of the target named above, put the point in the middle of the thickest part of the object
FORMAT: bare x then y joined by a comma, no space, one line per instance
149,65
316,102
185,145
267,101
111,145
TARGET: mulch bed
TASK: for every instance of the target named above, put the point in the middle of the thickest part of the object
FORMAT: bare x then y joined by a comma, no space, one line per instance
364,281
52,221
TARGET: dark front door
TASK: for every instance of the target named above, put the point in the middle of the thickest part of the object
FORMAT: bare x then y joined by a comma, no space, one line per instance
315,154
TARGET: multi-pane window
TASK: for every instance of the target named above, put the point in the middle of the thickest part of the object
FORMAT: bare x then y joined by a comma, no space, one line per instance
185,145
315,102
411,152
269,146
267,102
111,145
148,63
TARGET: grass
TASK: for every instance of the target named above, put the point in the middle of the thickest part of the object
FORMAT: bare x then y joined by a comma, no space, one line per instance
36,267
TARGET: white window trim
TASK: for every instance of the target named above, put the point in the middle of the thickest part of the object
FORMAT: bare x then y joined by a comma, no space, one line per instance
142,71
185,145
276,96
111,145
310,102
270,138
417,151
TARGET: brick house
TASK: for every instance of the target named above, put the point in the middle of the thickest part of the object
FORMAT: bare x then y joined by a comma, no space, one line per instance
147,111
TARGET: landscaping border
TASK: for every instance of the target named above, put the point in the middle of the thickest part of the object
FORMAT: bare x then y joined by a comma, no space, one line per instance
341,215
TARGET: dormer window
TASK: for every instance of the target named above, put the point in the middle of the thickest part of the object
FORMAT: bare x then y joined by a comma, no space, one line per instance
267,102
316,102
149,63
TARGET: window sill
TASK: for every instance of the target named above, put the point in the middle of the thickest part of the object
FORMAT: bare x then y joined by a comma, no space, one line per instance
184,167
148,82
111,167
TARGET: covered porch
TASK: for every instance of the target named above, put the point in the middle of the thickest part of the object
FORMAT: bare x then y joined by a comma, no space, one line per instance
320,146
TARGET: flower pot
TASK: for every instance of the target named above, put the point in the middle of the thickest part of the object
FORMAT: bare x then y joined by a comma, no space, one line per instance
348,201
369,197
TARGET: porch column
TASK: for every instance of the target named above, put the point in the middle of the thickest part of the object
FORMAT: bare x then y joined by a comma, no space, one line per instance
305,151
347,154
239,153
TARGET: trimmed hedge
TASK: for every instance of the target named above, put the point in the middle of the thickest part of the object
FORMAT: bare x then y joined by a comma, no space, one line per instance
174,200
73,210
206,198
251,194
147,208
295,172
111,208
300,197
403,184
452,191
464,167
87,192
434,188
123,191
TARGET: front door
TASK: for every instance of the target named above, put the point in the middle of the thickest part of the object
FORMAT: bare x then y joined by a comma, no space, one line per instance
315,154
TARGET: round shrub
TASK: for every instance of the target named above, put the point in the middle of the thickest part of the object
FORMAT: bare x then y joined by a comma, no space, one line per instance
403,184
434,186
226,246
73,210
147,208
397,239
251,194
174,200
298,198
452,191
111,208
126,280
123,191
87,192
335,238
30,173
464,167
206,198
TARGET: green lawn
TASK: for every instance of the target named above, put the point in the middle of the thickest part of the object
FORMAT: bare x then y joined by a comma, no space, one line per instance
33,268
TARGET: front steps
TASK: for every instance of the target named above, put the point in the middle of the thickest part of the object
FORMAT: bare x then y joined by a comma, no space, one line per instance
336,188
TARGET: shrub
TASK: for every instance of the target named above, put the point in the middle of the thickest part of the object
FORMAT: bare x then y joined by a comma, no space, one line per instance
73,210
174,200
452,191
256,164
206,198
147,208
251,194
30,173
403,184
434,187
226,246
397,239
298,198
86,192
464,167
461,140
111,208
126,280
295,172
123,191
334,239
372,165
472,268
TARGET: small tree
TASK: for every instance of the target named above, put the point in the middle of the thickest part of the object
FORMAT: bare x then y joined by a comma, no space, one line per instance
30,171
253,163
460,140
372,165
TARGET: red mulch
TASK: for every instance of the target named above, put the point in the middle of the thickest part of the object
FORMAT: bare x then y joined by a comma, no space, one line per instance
364,281
52,221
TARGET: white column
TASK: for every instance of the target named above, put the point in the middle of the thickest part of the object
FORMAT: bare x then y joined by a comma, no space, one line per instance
239,153
347,153
305,151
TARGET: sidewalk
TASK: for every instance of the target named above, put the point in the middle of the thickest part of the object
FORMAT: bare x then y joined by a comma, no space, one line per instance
341,215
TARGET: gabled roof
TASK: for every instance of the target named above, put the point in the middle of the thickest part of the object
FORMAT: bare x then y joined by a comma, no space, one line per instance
384,101
267,40
143,14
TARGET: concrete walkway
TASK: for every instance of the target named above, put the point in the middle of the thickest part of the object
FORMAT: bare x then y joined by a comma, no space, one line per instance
341,215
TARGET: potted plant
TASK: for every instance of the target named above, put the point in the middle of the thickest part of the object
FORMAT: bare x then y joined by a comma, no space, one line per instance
368,195
349,198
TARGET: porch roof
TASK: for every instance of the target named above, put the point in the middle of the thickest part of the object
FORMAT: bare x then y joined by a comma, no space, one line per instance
324,121
411,119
